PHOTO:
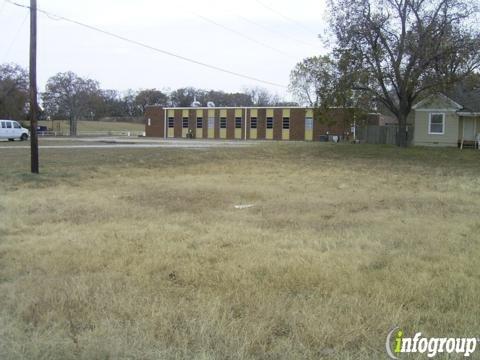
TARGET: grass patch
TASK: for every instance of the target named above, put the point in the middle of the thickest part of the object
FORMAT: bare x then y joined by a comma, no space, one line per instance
91,126
140,253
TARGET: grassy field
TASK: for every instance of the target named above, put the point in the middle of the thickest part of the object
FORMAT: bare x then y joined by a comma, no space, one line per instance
141,254
92,126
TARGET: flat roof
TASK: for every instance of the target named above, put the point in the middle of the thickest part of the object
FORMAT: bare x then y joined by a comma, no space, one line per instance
231,107
243,107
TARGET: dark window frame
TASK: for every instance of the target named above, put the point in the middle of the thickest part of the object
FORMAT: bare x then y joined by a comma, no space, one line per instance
223,122
238,122
269,122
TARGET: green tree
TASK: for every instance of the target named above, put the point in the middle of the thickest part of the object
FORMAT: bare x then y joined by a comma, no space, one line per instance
221,98
14,97
314,81
184,97
68,96
399,50
148,97
110,103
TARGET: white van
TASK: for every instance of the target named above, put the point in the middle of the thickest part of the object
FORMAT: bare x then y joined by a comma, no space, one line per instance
12,130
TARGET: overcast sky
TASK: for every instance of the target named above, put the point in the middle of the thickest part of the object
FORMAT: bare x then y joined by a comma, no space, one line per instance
180,26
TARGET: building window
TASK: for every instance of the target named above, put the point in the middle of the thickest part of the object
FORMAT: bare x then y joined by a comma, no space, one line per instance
269,123
238,123
308,123
199,122
253,123
286,123
170,122
223,123
211,123
185,122
436,124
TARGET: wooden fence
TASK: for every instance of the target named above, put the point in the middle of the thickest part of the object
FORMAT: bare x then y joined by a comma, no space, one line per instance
374,134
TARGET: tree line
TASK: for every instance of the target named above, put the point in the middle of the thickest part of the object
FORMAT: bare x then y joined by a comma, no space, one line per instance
386,55
70,96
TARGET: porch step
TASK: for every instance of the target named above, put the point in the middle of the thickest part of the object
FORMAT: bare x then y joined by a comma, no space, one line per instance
472,144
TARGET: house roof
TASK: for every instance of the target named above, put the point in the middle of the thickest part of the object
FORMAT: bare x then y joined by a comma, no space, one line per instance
463,98
468,98
437,101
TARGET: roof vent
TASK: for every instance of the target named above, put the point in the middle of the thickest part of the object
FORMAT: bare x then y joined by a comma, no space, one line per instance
195,103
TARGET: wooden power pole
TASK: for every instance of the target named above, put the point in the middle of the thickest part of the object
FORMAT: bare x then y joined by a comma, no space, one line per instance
33,88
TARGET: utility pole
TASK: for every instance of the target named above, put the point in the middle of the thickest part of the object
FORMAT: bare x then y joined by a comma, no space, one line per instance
33,88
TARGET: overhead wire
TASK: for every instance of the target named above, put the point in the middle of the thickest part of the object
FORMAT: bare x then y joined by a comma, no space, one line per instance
14,39
150,47
276,32
238,33
287,18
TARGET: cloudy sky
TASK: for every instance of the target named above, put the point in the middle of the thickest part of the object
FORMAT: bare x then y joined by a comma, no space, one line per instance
259,38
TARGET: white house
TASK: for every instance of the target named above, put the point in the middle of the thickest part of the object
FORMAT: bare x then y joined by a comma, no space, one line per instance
452,120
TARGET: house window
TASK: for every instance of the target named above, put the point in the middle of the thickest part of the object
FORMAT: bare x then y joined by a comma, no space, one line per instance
286,123
170,122
269,123
436,124
223,123
185,122
253,123
238,123
199,122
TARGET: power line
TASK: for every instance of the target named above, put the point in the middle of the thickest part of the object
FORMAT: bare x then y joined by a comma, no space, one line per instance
14,39
242,35
138,43
289,19
278,33
275,32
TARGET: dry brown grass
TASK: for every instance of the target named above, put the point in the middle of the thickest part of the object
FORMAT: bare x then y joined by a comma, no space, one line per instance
140,253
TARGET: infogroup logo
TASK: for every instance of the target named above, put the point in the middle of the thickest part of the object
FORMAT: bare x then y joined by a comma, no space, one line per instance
397,344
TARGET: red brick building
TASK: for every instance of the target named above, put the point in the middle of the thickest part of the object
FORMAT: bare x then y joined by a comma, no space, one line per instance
242,123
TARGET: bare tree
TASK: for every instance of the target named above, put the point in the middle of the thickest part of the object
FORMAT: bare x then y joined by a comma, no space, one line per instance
261,97
399,50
